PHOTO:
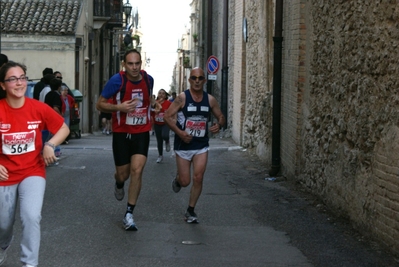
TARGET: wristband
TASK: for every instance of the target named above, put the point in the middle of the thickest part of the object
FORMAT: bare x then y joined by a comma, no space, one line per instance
50,145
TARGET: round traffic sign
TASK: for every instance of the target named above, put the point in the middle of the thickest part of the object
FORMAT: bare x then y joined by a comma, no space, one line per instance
212,65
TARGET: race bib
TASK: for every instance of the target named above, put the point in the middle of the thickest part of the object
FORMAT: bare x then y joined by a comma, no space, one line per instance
196,127
18,143
137,117
159,117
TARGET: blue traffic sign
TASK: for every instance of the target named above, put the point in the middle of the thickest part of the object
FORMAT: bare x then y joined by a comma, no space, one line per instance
212,65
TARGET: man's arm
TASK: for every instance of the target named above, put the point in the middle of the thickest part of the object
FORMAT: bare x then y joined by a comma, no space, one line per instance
171,114
104,106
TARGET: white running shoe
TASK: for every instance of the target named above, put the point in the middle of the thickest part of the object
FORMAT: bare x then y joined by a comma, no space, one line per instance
191,218
128,222
160,158
28,265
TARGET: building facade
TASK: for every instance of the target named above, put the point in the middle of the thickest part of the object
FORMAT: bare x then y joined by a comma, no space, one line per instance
333,101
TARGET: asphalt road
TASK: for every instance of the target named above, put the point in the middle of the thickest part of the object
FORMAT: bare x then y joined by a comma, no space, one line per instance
245,220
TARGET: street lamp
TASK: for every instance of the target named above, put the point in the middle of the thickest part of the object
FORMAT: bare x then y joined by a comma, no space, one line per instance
127,9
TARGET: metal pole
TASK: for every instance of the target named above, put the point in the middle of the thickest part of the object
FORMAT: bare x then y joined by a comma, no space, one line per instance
278,47
225,67
209,84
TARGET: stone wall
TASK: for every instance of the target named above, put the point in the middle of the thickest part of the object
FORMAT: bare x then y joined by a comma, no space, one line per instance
256,131
340,101
350,134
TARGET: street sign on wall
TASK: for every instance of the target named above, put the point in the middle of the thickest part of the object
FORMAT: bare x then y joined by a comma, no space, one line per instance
212,65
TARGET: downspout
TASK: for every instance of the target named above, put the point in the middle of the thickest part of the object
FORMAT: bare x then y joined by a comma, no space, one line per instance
277,70
225,67
209,85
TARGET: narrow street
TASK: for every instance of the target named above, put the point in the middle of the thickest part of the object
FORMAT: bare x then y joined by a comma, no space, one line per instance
245,220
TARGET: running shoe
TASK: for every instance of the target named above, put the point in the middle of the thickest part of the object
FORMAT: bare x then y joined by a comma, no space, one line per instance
159,159
176,186
128,222
3,253
191,217
167,146
28,265
119,193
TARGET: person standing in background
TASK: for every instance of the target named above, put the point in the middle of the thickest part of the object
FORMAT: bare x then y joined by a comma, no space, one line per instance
3,60
106,123
58,75
46,89
67,108
160,127
41,84
53,99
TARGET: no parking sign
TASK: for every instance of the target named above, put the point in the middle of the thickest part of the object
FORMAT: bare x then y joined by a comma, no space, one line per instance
213,67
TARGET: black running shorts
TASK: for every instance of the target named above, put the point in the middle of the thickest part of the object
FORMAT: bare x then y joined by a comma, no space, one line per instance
125,145
107,116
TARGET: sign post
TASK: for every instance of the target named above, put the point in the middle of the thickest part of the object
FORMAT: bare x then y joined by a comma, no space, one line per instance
212,66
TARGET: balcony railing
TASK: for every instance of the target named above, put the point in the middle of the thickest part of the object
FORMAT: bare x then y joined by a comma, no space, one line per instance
111,9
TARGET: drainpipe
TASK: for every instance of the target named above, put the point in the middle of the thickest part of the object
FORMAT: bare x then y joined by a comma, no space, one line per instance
278,40
209,85
225,67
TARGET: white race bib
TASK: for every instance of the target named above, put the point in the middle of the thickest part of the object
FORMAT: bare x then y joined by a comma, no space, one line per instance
159,117
196,127
137,117
18,143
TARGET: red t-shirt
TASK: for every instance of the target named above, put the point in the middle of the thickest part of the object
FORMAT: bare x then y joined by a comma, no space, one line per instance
21,138
158,117
137,121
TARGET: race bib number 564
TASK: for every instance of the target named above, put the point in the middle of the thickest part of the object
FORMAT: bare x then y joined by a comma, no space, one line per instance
18,143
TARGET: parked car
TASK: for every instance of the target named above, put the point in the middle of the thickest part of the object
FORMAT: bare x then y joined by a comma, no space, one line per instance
29,90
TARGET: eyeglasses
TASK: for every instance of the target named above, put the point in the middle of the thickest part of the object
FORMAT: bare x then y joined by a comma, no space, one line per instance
13,79
194,78
59,77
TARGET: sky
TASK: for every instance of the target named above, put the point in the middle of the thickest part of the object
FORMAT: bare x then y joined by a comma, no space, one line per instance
162,24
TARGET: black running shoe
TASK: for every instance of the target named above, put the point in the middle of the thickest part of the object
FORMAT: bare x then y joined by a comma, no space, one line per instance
176,186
